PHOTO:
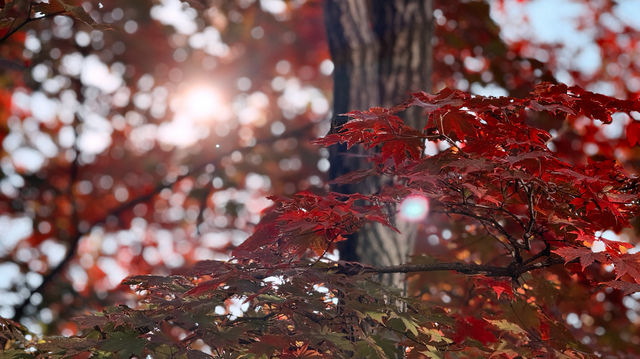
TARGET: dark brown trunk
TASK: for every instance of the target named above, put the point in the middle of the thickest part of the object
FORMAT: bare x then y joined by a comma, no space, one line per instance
381,50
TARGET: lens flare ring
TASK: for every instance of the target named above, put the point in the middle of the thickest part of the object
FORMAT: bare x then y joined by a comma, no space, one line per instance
414,208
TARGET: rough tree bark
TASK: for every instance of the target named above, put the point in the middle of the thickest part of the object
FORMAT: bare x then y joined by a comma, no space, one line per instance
381,50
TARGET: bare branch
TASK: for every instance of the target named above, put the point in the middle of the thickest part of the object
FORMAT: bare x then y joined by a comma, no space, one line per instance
470,268
516,246
512,271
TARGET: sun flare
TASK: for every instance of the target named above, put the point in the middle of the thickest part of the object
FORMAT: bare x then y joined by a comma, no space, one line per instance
202,103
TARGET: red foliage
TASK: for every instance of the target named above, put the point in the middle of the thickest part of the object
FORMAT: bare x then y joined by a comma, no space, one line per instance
471,327
309,222
633,133
521,189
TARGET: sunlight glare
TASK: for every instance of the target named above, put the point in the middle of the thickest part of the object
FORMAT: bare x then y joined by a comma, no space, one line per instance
195,106
414,208
202,103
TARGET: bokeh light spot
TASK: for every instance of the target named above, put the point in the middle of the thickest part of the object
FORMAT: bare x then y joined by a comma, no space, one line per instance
414,208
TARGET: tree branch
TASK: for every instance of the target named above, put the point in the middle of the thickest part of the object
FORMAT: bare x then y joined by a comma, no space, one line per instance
511,271
27,20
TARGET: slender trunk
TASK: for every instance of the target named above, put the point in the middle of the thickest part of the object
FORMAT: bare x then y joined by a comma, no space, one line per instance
381,50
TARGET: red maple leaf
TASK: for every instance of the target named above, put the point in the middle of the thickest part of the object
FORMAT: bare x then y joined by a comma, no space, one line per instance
586,255
499,286
628,264
471,327
626,287
633,133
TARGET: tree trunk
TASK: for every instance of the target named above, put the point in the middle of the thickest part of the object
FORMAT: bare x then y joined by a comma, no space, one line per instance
381,50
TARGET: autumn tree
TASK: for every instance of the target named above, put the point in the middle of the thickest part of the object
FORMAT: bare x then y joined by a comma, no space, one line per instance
524,205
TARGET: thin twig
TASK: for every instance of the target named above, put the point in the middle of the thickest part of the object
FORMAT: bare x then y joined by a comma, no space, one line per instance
491,221
532,215
27,20
546,252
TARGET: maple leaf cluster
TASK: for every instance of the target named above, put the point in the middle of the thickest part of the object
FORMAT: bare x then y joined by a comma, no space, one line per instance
309,221
495,174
